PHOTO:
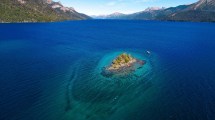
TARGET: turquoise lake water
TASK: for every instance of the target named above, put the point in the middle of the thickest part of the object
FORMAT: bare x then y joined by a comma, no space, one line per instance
52,71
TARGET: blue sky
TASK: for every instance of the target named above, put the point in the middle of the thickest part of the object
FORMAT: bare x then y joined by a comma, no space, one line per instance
100,7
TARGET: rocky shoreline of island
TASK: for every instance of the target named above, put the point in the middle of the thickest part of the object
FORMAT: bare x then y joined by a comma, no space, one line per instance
122,64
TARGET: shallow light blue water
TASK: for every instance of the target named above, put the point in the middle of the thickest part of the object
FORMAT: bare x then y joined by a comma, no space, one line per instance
51,71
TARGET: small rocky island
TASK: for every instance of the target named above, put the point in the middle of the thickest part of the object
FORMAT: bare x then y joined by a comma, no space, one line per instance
122,64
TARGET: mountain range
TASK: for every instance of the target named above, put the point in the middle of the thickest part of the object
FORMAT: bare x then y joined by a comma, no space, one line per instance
203,10
115,15
37,11
48,10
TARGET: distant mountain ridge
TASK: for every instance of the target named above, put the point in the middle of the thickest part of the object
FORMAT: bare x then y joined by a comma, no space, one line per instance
115,15
153,9
48,10
203,10
36,11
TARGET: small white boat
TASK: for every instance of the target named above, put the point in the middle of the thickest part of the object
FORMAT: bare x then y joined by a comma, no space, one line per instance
148,52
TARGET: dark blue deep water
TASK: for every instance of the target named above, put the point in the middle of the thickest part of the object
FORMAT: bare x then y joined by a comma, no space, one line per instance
51,71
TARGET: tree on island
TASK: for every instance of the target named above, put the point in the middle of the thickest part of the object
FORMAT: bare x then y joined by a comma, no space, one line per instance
121,60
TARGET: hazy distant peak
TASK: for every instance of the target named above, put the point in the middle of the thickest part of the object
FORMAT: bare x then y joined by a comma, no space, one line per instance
114,15
153,8
117,13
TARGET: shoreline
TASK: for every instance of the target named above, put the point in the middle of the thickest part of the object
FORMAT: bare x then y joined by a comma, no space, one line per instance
179,21
124,68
